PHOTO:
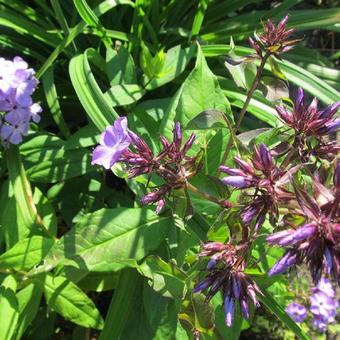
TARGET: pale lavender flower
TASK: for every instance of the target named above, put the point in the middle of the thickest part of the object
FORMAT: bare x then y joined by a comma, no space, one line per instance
114,141
323,306
297,312
17,84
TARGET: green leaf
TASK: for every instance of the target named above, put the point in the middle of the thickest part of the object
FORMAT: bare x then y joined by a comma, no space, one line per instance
110,239
120,67
276,309
53,101
204,315
89,93
86,12
119,95
208,119
166,278
29,301
9,309
122,304
67,165
199,92
26,253
176,60
71,302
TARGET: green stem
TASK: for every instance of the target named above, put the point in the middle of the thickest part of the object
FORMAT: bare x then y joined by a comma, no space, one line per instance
22,191
245,105
222,202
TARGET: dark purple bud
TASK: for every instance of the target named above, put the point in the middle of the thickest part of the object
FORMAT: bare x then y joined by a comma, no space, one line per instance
202,285
236,287
282,24
328,260
239,182
229,309
244,308
329,111
149,198
244,165
188,143
288,260
164,142
160,206
260,219
177,134
286,116
266,157
231,171
299,99
212,263
214,246
329,127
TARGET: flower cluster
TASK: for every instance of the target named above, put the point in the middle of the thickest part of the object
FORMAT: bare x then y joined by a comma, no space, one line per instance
226,273
274,39
172,164
17,84
266,180
323,306
316,241
309,123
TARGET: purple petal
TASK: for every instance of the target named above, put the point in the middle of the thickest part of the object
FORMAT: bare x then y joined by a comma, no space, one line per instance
239,182
266,156
329,111
229,308
288,260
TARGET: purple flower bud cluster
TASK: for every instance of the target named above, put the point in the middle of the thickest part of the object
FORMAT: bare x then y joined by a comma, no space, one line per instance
225,273
315,242
17,84
323,305
266,178
274,40
308,122
172,164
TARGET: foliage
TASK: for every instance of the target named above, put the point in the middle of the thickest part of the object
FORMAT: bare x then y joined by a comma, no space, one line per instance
81,252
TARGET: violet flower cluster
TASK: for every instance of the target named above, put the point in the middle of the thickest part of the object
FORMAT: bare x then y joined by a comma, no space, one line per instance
226,273
17,84
310,125
323,306
172,163
274,40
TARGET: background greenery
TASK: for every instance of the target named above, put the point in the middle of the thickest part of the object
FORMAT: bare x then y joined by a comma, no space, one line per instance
79,257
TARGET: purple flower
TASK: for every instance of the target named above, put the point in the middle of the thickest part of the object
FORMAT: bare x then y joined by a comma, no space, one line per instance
239,182
274,39
323,306
319,323
114,141
297,312
307,119
225,272
17,84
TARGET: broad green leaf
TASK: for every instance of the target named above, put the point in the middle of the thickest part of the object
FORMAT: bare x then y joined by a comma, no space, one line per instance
166,278
120,67
9,309
99,281
119,95
71,302
110,239
199,92
208,119
98,109
86,136
69,164
123,304
53,101
176,60
29,301
204,315
26,253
